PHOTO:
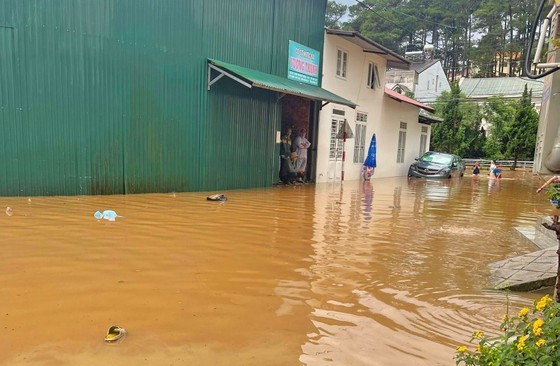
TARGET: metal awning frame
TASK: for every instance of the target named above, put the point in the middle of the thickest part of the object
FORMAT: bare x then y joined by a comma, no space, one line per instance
282,86
221,74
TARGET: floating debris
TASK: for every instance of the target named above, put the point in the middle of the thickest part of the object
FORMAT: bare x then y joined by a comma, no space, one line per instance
217,197
114,333
109,215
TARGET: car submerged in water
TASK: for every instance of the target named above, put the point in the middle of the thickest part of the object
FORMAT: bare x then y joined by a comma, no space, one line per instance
437,165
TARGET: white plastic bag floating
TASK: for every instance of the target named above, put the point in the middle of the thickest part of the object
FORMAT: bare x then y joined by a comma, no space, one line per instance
109,215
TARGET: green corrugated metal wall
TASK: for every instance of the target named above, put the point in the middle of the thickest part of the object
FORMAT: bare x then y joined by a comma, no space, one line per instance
109,96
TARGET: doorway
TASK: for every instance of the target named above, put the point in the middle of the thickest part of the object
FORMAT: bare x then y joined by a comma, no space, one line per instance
301,113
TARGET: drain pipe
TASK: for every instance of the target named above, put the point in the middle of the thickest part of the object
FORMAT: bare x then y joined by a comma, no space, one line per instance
551,94
552,161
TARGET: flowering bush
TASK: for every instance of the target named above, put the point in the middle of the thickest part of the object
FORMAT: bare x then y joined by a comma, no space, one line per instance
532,338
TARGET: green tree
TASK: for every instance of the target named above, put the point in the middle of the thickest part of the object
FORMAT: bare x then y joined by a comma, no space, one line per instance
382,22
334,13
485,35
460,132
473,135
498,113
521,131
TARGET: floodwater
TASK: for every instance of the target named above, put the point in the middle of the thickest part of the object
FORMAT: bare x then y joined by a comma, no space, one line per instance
388,272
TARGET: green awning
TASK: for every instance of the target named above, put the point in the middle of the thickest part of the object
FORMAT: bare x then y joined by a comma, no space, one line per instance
253,78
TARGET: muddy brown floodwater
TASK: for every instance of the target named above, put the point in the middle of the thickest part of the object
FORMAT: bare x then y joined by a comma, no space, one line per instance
390,272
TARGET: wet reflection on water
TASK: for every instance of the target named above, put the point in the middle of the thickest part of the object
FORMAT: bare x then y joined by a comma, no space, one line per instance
389,272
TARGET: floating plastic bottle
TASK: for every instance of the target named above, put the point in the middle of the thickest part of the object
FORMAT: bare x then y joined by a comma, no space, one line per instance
109,215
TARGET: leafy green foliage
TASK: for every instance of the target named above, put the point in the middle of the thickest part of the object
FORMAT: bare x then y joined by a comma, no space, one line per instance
334,13
530,338
484,37
522,130
498,113
513,128
460,132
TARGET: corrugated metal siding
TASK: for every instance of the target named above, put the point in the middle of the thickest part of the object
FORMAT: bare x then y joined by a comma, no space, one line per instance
242,122
109,96
299,21
242,125
9,175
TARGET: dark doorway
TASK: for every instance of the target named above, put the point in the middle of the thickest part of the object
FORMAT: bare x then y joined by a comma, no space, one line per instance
300,113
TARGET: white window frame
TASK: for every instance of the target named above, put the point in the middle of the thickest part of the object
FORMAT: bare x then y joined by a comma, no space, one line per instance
341,63
402,143
360,137
335,147
423,141
374,78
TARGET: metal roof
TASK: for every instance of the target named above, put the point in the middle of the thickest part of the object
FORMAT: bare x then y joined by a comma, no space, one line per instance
394,60
403,98
427,118
258,79
420,67
509,87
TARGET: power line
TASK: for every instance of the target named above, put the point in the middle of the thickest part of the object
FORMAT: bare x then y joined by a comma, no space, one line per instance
394,23
384,18
415,17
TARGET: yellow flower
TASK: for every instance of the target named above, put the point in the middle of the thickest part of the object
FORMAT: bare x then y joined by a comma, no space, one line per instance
523,312
479,349
505,318
540,342
478,335
537,327
544,302
521,343
462,349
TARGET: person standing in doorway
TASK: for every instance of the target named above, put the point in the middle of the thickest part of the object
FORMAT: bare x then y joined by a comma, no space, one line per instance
286,144
301,144
285,151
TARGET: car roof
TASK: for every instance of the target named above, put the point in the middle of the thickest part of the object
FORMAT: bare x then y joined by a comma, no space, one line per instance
439,153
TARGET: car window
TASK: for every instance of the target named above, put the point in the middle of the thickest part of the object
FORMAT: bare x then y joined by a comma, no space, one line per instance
437,158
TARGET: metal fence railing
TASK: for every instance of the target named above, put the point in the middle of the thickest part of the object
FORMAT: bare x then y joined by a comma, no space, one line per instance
521,164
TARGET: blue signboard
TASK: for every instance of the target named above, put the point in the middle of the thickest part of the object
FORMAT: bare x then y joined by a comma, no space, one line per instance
303,64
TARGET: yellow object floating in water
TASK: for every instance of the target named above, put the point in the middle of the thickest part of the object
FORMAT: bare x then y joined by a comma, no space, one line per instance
114,333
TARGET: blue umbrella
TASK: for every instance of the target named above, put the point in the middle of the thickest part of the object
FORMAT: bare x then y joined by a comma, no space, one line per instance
371,160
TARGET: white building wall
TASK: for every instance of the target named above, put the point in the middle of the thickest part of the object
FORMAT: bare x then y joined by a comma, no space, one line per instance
383,116
431,83
394,113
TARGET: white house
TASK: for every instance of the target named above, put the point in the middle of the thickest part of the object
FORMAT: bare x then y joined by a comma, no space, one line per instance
354,68
426,80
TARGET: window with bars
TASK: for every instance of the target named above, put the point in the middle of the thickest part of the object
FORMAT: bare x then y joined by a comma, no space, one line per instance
402,143
341,62
373,80
334,151
360,139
